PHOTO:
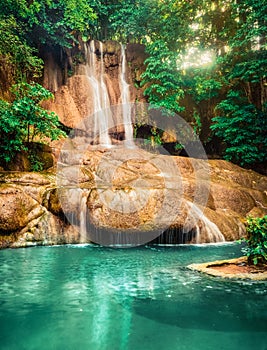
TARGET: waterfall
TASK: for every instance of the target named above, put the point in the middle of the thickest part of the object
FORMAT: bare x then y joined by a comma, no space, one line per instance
105,104
103,119
203,225
125,100
83,216
100,95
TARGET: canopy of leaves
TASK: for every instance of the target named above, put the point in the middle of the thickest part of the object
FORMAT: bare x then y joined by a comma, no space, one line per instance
16,54
55,22
27,24
162,78
244,128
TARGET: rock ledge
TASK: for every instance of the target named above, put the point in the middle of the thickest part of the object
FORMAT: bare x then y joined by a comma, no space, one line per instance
233,268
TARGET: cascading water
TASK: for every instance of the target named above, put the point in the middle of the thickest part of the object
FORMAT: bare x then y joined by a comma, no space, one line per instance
105,104
83,216
196,229
100,95
211,230
126,103
95,71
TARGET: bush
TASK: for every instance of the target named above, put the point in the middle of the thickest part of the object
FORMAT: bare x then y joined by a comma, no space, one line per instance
256,249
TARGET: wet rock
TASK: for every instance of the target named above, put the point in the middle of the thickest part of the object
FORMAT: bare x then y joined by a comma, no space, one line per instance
143,192
74,99
233,268
16,208
131,191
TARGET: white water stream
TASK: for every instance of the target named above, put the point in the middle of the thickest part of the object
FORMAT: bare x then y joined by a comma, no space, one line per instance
125,100
103,122
100,95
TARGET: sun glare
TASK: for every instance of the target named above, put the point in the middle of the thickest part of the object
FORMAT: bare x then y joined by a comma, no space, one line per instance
197,58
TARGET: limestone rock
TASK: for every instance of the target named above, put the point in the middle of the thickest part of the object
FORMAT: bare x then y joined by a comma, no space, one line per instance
138,191
237,268
16,208
117,192
74,96
47,230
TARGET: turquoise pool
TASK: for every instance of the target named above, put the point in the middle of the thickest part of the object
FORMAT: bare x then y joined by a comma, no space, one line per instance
91,297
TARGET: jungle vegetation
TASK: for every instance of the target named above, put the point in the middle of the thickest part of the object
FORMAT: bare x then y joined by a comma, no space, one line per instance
212,53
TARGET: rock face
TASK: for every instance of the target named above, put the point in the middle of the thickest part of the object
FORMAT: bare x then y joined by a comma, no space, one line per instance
119,196
24,219
74,99
23,161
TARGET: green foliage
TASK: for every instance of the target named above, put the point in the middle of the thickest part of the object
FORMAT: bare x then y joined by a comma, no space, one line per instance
161,78
155,138
256,249
24,120
26,26
250,67
202,85
243,127
11,133
129,20
55,22
241,119
35,161
16,52
197,124
37,121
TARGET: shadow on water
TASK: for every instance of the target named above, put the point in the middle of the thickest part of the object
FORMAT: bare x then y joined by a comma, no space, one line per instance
213,316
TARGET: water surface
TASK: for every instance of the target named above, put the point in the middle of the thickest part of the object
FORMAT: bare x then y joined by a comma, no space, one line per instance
91,297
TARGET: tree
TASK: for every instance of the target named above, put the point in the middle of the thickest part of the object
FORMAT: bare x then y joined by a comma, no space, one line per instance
162,79
241,119
27,26
57,22
243,127
24,120
18,59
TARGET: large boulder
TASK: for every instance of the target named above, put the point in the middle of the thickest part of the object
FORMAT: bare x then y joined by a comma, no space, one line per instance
16,208
24,218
